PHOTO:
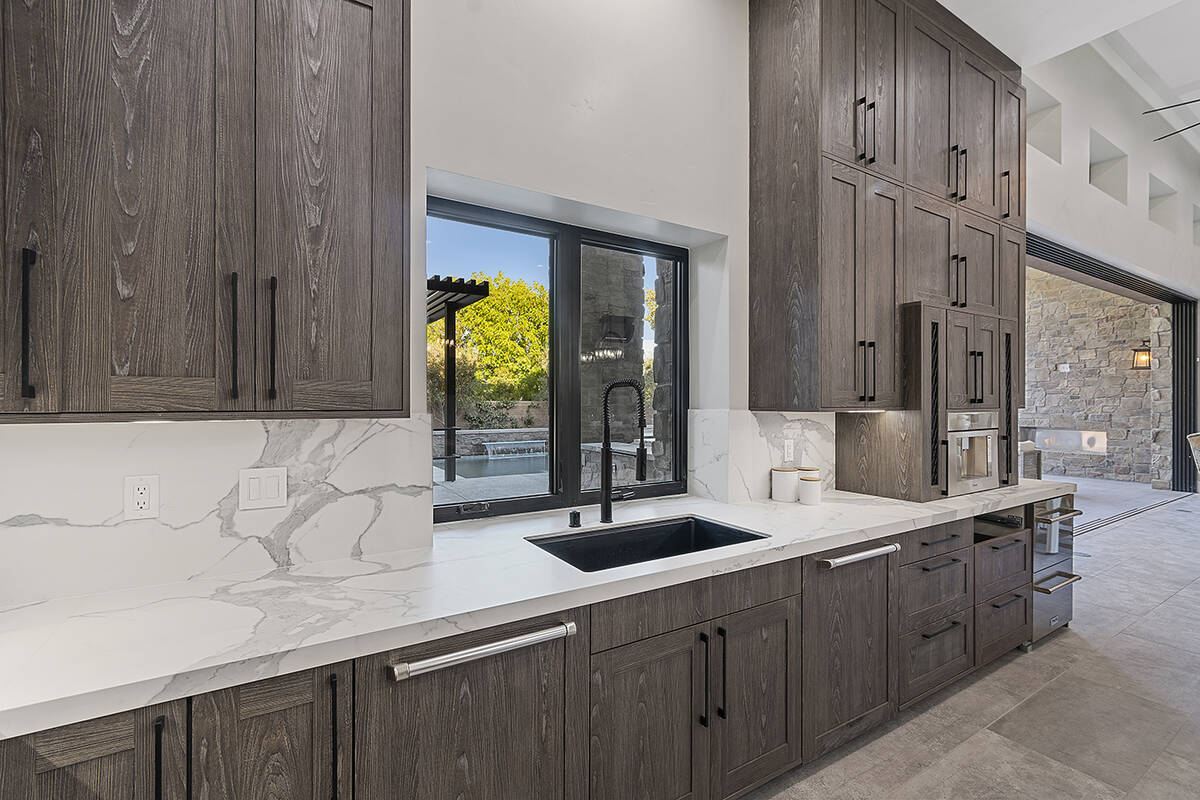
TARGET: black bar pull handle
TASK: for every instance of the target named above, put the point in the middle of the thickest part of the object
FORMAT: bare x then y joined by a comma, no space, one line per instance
937,542
957,172
1015,599
965,164
942,566
982,375
1013,543
333,738
862,398
942,632
704,716
721,709
233,361
954,264
1006,175
874,371
946,485
28,259
962,264
862,102
874,132
272,393
160,723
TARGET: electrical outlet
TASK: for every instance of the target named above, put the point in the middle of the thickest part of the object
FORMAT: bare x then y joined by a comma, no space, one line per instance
262,488
141,497
789,449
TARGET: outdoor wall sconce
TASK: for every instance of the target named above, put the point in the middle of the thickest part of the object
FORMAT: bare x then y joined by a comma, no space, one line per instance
1141,356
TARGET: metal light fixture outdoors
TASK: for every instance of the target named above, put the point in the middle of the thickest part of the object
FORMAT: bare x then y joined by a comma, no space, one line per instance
1141,356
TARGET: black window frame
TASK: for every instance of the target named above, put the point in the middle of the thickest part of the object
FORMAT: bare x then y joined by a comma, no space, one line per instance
566,247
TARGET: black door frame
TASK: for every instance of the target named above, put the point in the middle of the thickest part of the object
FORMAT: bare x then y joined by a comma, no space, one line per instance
1183,339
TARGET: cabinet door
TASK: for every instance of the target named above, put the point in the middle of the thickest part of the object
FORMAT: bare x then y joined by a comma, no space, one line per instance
843,106
1012,274
978,94
882,278
987,348
285,738
848,667
1012,394
979,253
961,374
931,112
881,46
1012,154
930,250
756,683
129,306
651,713
493,728
331,209
136,755
843,346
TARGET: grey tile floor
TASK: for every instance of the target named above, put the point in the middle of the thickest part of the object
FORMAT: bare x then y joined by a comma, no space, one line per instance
1108,708
1104,499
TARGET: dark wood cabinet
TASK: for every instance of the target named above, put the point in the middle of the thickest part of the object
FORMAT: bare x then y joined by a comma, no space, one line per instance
977,92
1003,564
848,630
936,587
134,755
652,717
862,83
1011,139
1012,275
861,257
1012,397
972,362
493,727
285,738
756,688
987,354
978,263
931,271
150,290
934,655
932,111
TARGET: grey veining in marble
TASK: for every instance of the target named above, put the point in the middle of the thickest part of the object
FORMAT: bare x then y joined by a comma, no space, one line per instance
355,487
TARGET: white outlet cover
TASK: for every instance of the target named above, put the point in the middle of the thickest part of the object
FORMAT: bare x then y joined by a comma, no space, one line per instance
262,488
141,497
789,449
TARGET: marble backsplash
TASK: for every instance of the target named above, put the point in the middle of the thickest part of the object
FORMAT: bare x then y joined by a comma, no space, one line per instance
732,451
355,487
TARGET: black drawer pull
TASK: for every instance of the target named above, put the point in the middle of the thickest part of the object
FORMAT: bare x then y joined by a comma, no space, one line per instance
1007,603
949,563
704,716
942,632
1013,543
937,542
721,709
333,707
271,390
159,723
233,361
28,259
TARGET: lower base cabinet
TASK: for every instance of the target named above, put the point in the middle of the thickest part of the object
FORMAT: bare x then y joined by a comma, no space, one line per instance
932,656
491,724
285,738
135,755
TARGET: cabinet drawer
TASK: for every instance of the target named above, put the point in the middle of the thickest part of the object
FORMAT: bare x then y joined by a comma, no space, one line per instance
935,588
936,654
640,616
1002,623
936,540
1003,564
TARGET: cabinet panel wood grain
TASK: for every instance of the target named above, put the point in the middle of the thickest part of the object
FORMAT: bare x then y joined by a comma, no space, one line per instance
979,252
1012,137
935,588
843,105
961,374
1012,275
1002,623
936,654
880,288
987,346
977,87
1003,564
844,372
932,110
881,46
930,250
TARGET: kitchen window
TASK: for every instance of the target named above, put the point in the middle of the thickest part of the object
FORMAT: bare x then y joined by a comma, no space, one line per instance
527,321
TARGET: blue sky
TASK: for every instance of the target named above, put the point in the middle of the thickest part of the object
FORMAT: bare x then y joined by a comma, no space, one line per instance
457,249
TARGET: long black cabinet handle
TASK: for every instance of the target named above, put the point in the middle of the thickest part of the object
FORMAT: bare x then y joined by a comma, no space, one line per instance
939,567
721,709
936,542
942,632
704,716
874,132
957,174
862,398
271,389
333,738
982,374
28,259
233,328
1013,543
874,371
862,155
1007,603
1006,175
159,724
966,289
965,164
946,483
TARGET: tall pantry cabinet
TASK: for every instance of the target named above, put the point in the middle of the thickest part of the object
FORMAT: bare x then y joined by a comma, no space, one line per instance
204,207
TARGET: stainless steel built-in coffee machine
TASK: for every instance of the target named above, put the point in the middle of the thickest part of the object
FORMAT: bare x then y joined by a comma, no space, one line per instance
973,449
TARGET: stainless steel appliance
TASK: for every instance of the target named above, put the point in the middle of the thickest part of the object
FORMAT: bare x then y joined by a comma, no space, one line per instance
1054,573
973,449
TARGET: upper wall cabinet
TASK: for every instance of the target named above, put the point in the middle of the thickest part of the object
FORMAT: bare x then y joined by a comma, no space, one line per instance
862,83
162,163
1012,154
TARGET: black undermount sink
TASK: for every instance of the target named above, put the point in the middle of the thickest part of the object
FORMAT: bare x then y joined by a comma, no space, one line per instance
638,543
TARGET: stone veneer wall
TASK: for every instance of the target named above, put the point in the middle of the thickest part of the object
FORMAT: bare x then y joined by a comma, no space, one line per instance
1092,331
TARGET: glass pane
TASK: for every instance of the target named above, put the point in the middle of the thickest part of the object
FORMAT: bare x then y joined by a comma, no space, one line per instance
627,333
499,395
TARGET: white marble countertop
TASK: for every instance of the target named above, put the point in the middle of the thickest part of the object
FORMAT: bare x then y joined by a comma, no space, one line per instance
63,661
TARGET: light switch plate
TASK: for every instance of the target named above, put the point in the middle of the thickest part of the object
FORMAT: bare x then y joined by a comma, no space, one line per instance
141,497
262,488
789,449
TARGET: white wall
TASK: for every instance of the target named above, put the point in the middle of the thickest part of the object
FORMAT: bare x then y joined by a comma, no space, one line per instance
1064,206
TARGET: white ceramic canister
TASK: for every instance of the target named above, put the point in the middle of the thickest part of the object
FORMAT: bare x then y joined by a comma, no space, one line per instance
808,490
810,472
784,484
